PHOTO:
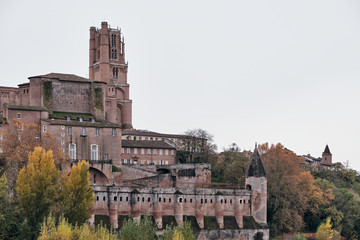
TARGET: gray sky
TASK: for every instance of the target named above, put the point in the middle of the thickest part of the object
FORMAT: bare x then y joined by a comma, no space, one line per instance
245,71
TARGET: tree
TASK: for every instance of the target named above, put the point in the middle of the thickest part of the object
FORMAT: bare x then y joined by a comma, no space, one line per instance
64,230
230,166
9,219
77,196
291,189
37,188
325,231
198,145
18,140
144,230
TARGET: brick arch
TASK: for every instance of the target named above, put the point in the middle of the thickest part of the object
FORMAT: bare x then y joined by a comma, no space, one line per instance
120,93
98,176
163,170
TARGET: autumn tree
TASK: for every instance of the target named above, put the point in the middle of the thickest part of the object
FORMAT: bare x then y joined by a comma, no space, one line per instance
37,188
77,198
291,189
18,140
50,230
325,231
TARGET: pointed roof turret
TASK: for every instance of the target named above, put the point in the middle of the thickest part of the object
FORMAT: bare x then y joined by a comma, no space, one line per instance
327,150
256,168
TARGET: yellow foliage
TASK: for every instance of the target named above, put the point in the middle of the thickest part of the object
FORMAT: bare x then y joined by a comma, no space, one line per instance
37,185
65,231
325,231
77,196
178,234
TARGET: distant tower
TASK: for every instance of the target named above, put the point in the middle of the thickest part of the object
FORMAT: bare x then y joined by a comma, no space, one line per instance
255,180
326,156
107,64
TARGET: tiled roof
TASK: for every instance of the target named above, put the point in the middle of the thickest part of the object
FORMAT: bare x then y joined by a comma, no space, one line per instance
63,77
28,108
327,150
146,144
256,168
139,132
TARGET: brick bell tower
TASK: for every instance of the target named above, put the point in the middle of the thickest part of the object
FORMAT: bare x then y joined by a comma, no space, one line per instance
107,65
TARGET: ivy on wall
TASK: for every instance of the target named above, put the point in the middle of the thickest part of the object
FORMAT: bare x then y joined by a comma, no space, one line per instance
48,95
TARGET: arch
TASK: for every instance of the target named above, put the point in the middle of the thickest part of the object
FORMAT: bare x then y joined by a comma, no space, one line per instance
248,187
162,170
100,178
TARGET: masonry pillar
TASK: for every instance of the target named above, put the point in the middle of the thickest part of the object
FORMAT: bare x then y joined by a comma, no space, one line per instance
239,212
219,211
179,212
114,216
199,210
157,211
135,207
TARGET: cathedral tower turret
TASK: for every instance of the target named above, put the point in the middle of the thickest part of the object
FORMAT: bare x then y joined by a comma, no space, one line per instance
255,180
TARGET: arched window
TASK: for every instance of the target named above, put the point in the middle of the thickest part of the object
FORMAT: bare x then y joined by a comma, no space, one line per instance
115,54
113,72
94,152
72,151
112,53
117,72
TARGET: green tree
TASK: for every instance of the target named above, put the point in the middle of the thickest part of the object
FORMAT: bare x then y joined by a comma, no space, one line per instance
37,188
198,146
77,198
9,219
144,230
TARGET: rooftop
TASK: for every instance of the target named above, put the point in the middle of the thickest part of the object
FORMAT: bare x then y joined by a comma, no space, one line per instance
146,144
63,77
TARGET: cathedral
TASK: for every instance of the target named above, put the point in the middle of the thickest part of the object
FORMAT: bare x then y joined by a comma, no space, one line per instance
135,173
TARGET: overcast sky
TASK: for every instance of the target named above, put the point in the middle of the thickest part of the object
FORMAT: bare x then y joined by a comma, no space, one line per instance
245,71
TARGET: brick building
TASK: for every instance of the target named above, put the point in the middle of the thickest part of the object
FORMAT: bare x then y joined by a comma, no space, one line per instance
132,172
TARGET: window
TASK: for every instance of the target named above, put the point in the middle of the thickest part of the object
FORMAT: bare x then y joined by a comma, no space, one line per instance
115,198
83,131
93,120
135,161
63,134
172,152
154,151
62,127
19,115
80,119
113,132
72,151
128,150
122,150
142,151
166,152
94,152
106,156
62,142
68,118
70,130
135,150
160,152
44,128
104,198
94,178
180,199
142,162
97,132
149,151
